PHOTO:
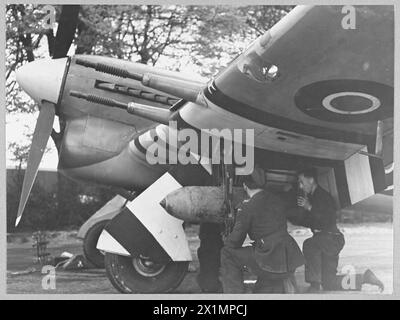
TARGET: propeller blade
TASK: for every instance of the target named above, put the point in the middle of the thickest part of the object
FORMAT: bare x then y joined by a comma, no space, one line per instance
41,135
66,30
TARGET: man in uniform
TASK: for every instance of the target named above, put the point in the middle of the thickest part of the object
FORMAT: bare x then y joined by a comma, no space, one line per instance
274,254
209,254
321,251
209,251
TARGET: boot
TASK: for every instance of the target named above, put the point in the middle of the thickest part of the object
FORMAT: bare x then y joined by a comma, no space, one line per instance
315,287
209,285
290,285
370,278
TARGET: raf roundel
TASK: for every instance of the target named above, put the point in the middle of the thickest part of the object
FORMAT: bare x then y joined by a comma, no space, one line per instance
346,100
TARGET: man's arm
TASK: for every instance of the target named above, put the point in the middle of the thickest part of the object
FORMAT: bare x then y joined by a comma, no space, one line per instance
241,227
295,214
299,217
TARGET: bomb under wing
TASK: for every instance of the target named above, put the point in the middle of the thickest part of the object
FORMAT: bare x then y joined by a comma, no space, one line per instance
197,204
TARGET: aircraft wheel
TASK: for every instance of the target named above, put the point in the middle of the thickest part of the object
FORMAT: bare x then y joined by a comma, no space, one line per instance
91,253
141,275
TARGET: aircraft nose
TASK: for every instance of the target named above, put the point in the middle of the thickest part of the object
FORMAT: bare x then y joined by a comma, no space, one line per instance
42,79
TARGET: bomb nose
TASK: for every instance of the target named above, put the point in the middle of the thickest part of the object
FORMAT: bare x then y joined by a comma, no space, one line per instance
163,203
42,79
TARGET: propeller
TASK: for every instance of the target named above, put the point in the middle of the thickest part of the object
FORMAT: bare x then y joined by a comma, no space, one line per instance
42,80
66,30
41,135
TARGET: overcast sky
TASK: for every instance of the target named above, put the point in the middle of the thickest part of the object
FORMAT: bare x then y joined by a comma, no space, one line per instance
17,126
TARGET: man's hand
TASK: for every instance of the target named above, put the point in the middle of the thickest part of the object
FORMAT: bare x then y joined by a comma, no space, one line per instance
304,202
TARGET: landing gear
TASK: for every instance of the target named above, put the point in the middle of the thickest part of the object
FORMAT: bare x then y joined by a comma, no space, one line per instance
142,275
91,253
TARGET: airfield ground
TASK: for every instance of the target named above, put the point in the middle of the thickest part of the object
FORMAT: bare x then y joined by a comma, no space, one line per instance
367,246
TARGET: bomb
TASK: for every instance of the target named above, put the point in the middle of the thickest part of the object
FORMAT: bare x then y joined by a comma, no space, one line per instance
200,204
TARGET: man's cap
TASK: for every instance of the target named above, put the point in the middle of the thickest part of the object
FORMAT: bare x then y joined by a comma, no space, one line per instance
258,177
256,180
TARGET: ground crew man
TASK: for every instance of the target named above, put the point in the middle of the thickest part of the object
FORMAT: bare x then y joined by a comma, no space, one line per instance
209,252
274,254
321,251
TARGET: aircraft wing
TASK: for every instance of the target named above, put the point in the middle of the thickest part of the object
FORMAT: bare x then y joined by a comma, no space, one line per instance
318,84
327,76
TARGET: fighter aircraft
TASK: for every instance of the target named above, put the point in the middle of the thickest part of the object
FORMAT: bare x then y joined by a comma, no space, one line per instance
315,89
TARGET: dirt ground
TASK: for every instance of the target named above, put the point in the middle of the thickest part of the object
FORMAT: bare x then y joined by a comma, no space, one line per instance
367,246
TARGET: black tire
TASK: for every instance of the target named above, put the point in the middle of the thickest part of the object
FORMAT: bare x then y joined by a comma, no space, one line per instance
91,253
125,276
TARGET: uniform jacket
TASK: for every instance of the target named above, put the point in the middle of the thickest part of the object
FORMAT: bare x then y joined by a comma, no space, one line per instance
263,218
322,216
